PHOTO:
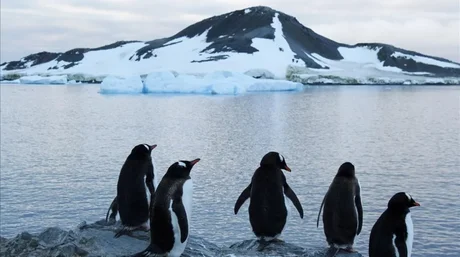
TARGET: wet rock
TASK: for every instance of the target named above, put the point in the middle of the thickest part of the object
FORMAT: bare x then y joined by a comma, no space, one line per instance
97,239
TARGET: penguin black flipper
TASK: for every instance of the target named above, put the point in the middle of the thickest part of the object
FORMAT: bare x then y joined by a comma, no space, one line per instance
151,251
114,208
401,247
359,208
179,209
293,197
242,198
149,179
320,208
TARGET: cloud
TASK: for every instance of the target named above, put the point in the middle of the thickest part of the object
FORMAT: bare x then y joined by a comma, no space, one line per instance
29,26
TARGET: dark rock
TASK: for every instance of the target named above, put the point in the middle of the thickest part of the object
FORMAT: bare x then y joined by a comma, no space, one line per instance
409,65
152,45
25,236
53,235
97,239
213,58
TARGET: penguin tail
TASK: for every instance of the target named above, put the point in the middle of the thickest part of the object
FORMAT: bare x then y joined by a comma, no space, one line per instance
151,251
114,207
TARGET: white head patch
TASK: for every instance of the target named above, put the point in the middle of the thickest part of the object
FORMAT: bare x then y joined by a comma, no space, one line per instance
281,157
181,164
409,196
147,146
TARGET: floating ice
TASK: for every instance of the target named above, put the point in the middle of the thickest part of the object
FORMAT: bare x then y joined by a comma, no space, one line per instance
16,81
43,80
120,85
219,82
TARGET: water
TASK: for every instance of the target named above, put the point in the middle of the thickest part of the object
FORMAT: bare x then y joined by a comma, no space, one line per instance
62,148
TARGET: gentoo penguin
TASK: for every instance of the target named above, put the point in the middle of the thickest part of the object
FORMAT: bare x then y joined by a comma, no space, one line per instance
393,233
268,207
343,211
170,213
131,200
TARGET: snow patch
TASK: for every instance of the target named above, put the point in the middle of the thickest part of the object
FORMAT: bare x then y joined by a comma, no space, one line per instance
426,60
359,54
364,56
260,73
246,11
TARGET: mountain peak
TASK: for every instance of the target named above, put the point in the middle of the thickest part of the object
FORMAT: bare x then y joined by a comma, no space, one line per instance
249,38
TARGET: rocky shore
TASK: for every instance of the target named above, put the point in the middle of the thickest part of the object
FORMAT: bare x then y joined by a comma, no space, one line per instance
96,239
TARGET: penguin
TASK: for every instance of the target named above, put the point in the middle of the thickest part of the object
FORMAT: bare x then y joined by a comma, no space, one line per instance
343,211
131,200
393,233
268,207
171,211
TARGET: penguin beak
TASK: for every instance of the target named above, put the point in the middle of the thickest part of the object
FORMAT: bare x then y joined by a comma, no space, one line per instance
287,168
152,147
416,204
195,161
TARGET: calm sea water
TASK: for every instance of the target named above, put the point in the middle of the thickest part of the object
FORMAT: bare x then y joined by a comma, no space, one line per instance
62,148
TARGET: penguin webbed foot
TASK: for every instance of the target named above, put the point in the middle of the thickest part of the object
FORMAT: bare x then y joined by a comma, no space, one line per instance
335,249
332,251
263,243
121,232
128,230
151,251
350,249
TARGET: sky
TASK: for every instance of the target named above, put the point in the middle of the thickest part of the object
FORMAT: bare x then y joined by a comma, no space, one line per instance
30,26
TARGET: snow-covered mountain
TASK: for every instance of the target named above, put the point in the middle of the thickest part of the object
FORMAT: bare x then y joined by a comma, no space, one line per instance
253,38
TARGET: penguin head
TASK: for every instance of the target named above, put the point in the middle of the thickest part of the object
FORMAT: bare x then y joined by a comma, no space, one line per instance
347,169
402,200
274,159
142,150
181,168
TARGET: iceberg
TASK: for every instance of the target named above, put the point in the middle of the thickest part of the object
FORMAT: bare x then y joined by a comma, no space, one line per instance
122,85
16,81
218,82
62,79
97,239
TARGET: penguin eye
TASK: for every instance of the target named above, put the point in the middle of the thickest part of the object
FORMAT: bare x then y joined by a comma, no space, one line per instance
147,146
281,158
181,164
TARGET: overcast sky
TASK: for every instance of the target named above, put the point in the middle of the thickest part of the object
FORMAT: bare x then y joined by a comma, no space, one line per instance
28,26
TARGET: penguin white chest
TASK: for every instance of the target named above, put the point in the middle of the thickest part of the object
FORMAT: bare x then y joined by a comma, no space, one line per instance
286,204
179,247
410,234
155,175
187,198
